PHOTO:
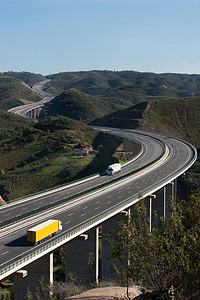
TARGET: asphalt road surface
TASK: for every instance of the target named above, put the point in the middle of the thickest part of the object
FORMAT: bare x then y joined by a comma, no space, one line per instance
181,155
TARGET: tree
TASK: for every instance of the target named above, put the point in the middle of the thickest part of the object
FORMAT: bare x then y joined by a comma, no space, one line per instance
29,295
62,290
2,173
167,258
91,266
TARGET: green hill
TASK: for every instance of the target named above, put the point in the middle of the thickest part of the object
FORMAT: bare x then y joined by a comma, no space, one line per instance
27,77
37,156
81,106
14,92
177,117
127,118
181,118
127,85
11,123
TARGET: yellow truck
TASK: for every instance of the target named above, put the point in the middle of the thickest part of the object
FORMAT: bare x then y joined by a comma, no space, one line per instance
41,232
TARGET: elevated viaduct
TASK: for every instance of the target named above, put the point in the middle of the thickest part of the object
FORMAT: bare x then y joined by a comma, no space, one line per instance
89,204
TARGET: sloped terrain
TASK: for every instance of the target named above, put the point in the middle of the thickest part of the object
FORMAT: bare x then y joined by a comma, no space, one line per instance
179,117
176,116
14,92
127,118
81,106
127,85
37,156
27,77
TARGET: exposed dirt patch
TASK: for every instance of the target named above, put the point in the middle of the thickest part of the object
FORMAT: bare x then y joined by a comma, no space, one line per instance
2,201
53,90
24,84
107,293
24,101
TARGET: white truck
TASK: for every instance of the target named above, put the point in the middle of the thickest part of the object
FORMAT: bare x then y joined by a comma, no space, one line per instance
114,168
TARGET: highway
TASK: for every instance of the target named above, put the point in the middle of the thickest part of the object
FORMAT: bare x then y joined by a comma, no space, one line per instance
22,110
92,209
87,203
148,154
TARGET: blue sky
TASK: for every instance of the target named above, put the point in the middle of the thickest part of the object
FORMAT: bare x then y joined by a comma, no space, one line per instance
52,36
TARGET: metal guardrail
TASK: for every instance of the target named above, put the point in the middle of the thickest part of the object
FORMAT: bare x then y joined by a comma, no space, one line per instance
47,190
89,223
82,227
53,189
63,201
95,220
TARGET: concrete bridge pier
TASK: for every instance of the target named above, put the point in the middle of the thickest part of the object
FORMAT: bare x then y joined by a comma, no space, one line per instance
159,203
28,113
38,271
151,198
107,227
35,113
39,111
82,257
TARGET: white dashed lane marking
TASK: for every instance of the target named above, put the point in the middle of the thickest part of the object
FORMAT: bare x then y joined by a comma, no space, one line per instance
5,253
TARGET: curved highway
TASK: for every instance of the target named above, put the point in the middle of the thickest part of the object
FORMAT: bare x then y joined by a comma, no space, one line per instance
23,110
156,166
147,155
87,203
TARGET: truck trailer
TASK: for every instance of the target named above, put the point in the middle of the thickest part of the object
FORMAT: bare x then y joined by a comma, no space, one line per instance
41,232
114,168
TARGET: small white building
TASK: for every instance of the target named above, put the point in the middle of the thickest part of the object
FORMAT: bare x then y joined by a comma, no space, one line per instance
83,151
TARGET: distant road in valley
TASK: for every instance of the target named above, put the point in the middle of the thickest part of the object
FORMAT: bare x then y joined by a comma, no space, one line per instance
22,110
162,159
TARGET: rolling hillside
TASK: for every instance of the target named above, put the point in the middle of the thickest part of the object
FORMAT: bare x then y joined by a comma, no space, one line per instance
37,156
127,85
178,117
27,77
14,92
127,118
81,106
32,151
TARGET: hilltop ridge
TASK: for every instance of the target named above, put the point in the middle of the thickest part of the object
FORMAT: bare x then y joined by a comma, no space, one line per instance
131,86
81,106
15,89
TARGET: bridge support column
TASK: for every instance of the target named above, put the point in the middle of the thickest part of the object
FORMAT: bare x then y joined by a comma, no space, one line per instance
160,203
82,257
35,113
174,189
167,195
106,260
151,197
39,111
97,256
37,271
